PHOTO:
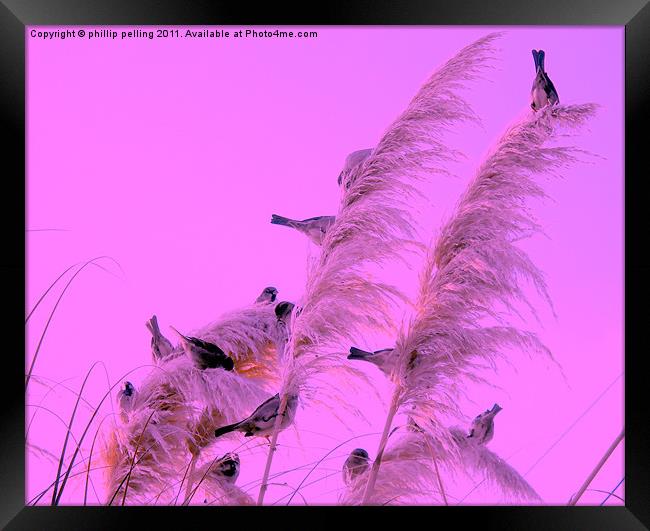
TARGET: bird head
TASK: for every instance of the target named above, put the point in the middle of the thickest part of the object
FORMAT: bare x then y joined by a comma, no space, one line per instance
228,364
228,465
283,310
128,389
268,294
360,452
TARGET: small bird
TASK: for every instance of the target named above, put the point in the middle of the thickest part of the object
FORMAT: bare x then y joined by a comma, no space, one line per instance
543,92
314,228
381,358
351,162
125,399
226,468
356,464
161,347
267,296
205,355
482,429
283,311
262,420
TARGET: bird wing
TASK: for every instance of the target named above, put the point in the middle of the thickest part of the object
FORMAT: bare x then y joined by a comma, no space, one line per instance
489,432
205,345
260,410
549,88
272,416
317,218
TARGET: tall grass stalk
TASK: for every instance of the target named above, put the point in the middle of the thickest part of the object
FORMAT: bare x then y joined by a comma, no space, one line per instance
597,468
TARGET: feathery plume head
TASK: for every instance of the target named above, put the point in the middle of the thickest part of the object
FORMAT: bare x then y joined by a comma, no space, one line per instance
475,266
494,469
374,223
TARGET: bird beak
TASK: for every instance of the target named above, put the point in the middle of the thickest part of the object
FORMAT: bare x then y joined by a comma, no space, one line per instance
183,338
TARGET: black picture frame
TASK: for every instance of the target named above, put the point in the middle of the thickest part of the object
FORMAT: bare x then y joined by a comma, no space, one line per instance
15,15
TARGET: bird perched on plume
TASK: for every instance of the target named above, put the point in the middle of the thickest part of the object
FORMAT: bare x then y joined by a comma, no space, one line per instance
351,162
283,311
381,358
204,354
314,228
356,464
482,429
125,400
384,359
543,92
267,296
161,347
226,468
262,420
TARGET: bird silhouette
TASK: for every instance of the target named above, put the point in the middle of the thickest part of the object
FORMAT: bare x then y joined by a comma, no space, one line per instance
226,468
262,420
126,399
482,429
543,92
352,161
355,465
381,358
314,228
267,296
161,347
204,354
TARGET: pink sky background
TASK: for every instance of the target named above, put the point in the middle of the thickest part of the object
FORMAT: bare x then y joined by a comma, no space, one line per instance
170,155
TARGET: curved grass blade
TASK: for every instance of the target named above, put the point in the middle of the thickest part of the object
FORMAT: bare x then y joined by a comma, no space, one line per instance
49,320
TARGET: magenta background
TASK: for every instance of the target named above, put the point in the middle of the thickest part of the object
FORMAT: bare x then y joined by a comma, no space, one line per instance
170,155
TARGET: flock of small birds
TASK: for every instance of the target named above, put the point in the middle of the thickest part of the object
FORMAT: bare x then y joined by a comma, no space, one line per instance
261,422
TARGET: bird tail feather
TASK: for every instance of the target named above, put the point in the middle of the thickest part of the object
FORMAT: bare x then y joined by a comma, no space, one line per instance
536,59
152,325
281,220
495,409
358,354
226,429
540,59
